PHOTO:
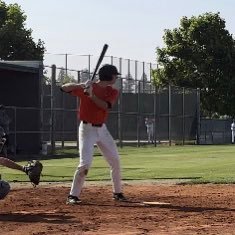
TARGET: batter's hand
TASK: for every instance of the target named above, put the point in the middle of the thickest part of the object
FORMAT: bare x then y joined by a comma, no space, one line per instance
88,90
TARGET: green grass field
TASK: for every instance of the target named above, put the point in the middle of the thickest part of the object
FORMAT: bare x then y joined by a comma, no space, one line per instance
191,164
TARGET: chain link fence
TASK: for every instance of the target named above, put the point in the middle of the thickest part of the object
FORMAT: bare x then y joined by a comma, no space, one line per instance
175,111
85,64
215,131
52,122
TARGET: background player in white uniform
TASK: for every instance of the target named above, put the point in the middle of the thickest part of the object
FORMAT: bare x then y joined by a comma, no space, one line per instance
233,131
93,112
150,129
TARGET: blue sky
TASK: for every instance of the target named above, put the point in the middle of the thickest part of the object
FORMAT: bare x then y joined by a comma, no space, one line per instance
132,28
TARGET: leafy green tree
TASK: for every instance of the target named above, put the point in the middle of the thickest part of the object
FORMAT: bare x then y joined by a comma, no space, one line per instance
46,79
65,78
16,42
200,54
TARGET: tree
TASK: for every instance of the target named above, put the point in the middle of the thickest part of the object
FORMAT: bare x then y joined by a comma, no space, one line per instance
46,79
200,54
16,42
65,78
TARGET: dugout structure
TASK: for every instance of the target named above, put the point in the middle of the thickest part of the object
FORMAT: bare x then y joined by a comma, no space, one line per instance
20,91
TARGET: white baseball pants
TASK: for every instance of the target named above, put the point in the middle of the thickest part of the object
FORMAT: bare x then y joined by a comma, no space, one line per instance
88,136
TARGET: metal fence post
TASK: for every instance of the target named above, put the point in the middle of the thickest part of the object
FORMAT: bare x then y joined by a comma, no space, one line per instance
78,80
136,77
63,108
143,75
150,77
89,65
155,115
138,115
183,114
15,129
159,111
120,106
41,87
169,113
79,76
53,85
128,68
198,117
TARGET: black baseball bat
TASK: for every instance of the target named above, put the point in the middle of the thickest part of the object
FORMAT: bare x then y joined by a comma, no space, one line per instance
105,47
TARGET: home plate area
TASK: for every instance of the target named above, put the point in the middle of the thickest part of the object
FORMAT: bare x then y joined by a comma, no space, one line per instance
150,209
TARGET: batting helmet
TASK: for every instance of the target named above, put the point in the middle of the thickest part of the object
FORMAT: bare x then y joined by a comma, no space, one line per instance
107,71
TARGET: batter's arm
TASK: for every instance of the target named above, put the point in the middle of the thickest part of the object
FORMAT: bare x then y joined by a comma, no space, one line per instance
69,87
101,103
104,104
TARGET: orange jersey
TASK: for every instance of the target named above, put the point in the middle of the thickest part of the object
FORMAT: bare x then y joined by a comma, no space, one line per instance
88,110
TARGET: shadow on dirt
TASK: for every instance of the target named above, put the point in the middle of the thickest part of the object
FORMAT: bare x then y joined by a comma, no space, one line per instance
139,204
34,218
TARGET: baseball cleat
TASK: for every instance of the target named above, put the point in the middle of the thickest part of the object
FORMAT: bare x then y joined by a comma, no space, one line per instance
73,200
119,197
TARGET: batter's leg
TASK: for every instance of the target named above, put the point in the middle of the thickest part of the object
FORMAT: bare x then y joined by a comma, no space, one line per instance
109,150
87,139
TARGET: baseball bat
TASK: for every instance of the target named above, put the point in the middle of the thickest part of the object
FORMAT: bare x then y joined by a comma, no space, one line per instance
105,47
102,54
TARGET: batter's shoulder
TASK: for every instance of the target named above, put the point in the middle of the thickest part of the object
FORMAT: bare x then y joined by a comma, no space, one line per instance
111,89
113,92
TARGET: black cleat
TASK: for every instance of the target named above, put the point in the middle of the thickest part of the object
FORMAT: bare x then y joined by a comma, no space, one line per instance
119,197
73,200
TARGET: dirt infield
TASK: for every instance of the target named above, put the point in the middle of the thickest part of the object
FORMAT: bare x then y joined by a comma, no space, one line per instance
192,209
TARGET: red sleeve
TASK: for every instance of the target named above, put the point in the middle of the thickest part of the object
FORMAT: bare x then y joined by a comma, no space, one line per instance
112,95
77,92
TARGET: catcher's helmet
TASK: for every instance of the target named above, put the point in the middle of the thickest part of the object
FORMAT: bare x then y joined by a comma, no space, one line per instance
106,72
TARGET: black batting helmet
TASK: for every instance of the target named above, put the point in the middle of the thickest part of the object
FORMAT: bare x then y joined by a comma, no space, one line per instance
106,72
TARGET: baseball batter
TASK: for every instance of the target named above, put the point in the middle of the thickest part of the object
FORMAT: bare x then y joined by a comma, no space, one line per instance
95,102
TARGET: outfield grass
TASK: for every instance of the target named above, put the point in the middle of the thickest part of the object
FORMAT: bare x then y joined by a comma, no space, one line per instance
192,164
